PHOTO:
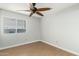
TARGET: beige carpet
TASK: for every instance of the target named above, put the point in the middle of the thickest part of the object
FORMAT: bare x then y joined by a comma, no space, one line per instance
35,49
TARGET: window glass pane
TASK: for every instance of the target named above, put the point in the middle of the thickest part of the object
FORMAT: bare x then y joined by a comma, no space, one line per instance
21,24
21,30
9,23
9,30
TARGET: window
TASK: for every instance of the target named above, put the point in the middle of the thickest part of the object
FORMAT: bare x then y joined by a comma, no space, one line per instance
12,25
21,26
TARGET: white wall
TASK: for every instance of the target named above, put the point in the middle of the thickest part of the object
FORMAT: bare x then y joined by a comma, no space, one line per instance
0,30
62,28
32,30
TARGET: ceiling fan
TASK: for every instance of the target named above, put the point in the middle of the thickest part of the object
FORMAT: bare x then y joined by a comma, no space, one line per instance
36,10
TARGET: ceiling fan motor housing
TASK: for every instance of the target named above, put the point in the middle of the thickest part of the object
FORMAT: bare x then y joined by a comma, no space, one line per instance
34,9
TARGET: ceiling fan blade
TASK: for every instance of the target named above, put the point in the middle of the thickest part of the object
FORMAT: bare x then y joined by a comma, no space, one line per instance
33,4
28,10
43,9
31,14
39,13
25,10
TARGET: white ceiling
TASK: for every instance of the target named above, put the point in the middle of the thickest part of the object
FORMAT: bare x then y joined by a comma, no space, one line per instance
56,7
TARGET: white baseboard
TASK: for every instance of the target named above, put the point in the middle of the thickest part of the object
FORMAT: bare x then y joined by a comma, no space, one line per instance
61,48
18,45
